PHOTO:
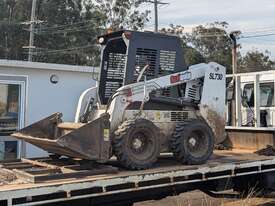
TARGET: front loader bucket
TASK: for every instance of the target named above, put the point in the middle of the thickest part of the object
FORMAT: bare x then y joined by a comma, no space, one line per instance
78,140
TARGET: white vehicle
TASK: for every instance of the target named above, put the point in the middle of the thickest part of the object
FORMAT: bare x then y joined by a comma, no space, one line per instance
257,86
251,120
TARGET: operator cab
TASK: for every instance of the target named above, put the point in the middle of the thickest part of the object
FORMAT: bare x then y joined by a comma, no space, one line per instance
126,53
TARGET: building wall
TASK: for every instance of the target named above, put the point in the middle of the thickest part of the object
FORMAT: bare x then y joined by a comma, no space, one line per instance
44,98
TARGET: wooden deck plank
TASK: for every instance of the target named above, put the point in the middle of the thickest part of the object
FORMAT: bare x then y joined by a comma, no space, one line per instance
165,164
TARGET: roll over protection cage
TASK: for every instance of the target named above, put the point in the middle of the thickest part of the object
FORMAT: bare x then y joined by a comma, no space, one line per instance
124,52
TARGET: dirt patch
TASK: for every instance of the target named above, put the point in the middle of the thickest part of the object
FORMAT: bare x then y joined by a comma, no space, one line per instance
7,177
197,198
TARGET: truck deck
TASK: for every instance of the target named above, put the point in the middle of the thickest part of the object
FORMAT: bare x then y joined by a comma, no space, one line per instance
43,181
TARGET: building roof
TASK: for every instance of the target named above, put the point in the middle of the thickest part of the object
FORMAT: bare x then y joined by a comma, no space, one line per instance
272,71
47,66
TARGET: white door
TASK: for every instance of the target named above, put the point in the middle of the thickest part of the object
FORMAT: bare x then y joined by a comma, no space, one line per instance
12,109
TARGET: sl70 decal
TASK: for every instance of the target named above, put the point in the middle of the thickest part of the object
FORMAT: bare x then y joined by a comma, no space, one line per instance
215,76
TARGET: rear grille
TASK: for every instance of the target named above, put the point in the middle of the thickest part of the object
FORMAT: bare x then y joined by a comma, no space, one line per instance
179,116
192,93
146,57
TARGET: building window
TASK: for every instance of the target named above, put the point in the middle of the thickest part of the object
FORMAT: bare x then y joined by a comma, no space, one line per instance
266,95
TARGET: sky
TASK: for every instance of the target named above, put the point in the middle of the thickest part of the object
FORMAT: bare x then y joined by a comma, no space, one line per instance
252,17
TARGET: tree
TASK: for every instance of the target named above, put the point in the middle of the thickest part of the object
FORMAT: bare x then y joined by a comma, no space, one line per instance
68,35
122,13
12,40
205,43
255,61
213,43
69,29
12,35
192,56
74,42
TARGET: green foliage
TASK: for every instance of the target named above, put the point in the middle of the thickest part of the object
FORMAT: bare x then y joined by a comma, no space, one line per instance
191,54
213,43
12,35
205,43
255,61
67,35
68,30
83,21
122,14
12,40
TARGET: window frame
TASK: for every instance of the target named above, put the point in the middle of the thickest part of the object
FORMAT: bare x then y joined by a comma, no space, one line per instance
261,82
22,81
273,102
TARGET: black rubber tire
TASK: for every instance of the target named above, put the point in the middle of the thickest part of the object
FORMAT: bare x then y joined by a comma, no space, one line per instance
121,204
123,144
203,146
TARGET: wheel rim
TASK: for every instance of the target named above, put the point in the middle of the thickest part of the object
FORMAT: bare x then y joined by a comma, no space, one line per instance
197,144
141,144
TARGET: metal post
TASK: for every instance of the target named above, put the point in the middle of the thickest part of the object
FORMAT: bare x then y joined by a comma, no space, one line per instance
257,101
156,15
235,120
156,3
234,59
238,100
32,30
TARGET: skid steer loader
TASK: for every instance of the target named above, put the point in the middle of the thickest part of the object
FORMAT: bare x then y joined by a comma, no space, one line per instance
146,102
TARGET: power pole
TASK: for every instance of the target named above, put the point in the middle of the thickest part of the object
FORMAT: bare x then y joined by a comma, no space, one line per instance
234,52
32,23
156,15
156,3
235,103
